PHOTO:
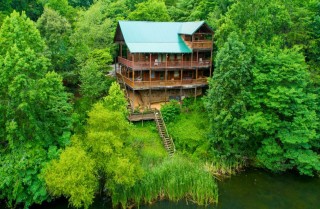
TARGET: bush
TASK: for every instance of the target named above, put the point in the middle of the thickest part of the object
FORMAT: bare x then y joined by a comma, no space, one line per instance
170,111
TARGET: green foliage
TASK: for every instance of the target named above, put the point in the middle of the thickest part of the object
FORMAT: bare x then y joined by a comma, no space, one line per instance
93,30
61,6
147,140
266,110
190,129
288,124
35,114
106,148
116,101
182,9
33,8
170,110
20,31
94,83
80,3
175,178
56,30
79,182
151,10
20,182
226,101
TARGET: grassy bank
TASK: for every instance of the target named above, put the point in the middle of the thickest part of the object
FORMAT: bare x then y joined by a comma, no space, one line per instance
164,177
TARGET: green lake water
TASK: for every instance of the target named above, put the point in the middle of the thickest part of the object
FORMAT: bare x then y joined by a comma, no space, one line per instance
253,189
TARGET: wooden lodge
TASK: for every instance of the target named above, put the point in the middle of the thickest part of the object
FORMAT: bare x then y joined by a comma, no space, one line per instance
159,61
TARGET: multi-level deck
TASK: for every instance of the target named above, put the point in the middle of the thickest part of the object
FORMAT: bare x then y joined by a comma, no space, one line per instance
163,60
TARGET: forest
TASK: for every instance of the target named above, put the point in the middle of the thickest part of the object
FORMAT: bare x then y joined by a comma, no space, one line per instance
63,126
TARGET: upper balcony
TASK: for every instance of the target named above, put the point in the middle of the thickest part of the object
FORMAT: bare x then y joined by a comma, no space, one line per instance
200,45
156,64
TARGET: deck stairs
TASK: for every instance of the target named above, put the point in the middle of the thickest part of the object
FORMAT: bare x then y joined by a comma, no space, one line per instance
163,132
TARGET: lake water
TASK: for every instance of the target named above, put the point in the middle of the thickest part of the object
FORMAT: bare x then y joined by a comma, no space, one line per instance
253,189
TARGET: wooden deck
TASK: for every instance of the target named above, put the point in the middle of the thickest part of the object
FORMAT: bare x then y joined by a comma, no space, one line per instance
145,65
140,85
203,44
135,117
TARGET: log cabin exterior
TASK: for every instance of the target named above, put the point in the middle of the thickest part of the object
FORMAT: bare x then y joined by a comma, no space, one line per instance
159,61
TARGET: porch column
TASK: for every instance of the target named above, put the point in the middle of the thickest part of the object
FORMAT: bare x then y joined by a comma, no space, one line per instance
195,93
191,57
196,74
166,61
150,84
182,60
133,76
150,60
181,76
133,69
198,57
149,78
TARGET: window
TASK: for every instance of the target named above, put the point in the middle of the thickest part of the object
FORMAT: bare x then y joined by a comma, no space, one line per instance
153,75
161,75
176,74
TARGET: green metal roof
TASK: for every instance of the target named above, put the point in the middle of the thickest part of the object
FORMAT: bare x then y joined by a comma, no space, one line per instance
157,37
190,28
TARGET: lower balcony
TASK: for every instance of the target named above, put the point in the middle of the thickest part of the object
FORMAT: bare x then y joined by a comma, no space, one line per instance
186,82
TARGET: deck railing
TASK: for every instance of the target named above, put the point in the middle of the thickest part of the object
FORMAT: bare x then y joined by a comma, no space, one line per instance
163,83
155,64
201,44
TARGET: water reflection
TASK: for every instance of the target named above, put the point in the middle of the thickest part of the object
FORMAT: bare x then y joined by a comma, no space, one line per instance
253,189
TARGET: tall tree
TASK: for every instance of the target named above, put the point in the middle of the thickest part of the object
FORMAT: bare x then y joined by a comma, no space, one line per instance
151,10
35,114
105,147
55,29
227,101
93,30
283,115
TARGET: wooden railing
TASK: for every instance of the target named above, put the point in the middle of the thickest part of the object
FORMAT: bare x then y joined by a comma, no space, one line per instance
203,44
154,64
163,83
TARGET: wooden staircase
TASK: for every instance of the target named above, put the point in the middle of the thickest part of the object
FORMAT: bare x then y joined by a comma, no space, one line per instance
152,115
163,132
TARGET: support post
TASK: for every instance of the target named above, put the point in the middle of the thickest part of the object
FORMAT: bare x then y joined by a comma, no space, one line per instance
149,78
198,57
133,76
165,95
180,97
181,76
133,99
196,74
150,60
195,94
182,60
150,86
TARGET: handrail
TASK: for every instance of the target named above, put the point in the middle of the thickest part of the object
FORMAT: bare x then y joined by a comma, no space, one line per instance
165,65
186,81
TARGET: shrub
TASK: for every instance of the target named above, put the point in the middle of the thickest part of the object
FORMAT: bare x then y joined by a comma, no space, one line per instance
170,110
